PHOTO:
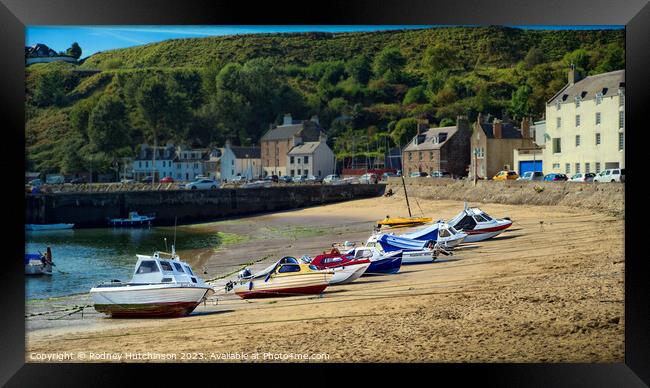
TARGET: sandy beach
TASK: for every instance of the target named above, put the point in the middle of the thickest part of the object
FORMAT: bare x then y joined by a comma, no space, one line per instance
549,289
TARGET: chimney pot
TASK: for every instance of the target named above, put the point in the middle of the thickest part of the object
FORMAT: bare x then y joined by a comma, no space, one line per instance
497,129
287,119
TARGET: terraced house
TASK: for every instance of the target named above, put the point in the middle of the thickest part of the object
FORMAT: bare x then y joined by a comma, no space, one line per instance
439,149
277,142
585,124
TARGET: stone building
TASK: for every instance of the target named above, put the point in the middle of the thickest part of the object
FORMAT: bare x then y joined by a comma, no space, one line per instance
439,149
277,142
493,145
585,124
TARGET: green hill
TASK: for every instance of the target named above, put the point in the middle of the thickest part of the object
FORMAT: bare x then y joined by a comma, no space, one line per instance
369,85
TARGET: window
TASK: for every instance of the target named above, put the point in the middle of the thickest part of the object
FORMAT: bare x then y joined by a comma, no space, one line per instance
444,233
291,159
577,140
621,119
289,268
577,100
558,105
196,166
431,155
621,97
567,168
306,172
597,138
178,267
306,159
189,270
597,118
166,266
597,167
577,120
298,171
599,98
146,164
587,168
293,172
148,266
621,140
556,166
578,168
420,155
232,163
557,145
558,122
410,156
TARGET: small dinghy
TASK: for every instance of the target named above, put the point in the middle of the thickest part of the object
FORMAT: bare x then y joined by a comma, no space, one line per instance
39,264
38,227
479,225
162,286
403,222
134,219
287,277
346,269
445,235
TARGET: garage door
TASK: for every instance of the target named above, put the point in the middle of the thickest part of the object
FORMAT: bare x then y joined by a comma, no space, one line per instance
529,165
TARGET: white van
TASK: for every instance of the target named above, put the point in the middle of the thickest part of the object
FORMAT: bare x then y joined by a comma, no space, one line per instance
611,175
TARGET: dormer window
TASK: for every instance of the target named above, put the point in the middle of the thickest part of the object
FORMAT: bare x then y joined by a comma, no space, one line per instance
599,98
442,136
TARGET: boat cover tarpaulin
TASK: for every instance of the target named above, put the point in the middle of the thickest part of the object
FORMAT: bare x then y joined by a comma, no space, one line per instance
394,243
427,233
31,256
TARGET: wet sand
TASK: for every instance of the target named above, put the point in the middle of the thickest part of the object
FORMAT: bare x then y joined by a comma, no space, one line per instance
549,289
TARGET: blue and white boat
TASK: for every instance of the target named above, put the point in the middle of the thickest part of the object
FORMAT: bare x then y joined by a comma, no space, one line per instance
381,263
413,251
441,232
134,219
38,263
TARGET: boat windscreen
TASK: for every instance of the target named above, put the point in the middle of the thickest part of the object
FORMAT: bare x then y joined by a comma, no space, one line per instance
466,223
148,266
178,267
189,270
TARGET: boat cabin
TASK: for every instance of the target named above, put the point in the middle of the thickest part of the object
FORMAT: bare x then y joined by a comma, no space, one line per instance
469,218
162,267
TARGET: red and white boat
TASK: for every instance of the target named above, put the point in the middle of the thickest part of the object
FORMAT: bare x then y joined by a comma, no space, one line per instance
162,286
346,268
479,225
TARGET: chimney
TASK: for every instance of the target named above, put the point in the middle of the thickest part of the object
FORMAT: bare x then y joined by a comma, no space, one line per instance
497,129
574,76
525,128
314,119
228,143
287,119
462,122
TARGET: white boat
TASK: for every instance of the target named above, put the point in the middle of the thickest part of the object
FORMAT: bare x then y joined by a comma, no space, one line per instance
479,225
257,184
441,232
39,264
162,286
346,270
413,251
38,227
134,219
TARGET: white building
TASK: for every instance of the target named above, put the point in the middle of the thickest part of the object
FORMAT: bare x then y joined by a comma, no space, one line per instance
240,161
189,163
311,158
143,165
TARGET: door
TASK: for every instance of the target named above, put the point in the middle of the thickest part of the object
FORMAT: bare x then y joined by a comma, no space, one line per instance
529,165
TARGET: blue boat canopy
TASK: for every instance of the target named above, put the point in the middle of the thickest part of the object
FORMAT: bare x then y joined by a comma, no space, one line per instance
31,256
427,233
391,243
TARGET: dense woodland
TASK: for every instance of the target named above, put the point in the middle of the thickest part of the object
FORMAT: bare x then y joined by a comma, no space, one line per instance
370,87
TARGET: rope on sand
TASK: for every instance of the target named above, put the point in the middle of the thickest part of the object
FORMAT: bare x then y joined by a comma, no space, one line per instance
239,269
74,309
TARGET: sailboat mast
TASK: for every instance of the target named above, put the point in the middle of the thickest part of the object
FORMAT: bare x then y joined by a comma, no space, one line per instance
407,196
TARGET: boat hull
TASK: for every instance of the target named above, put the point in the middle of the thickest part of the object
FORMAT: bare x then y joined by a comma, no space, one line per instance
484,234
348,274
384,266
304,284
418,257
37,227
148,300
38,269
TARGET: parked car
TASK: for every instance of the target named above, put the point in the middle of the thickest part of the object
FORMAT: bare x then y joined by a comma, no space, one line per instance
79,180
332,178
35,182
418,174
272,178
202,184
54,179
440,174
147,179
532,176
299,178
556,177
611,175
386,175
313,179
285,179
238,179
580,177
505,175
167,179
369,178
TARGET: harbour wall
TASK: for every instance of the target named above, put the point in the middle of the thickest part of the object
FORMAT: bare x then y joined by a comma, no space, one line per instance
603,197
93,209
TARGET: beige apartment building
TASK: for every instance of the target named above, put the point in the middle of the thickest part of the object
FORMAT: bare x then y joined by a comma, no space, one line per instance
585,125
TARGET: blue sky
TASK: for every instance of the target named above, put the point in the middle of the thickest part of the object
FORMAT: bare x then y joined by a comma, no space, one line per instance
101,38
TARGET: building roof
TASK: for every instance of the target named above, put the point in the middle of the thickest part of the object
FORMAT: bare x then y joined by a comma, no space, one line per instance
431,139
160,153
508,131
305,148
246,152
282,132
586,88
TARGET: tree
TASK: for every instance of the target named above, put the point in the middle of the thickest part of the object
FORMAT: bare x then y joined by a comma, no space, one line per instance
579,58
74,50
533,57
520,105
404,130
154,104
359,68
440,59
389,64
613,59
50,89
108,130
415,95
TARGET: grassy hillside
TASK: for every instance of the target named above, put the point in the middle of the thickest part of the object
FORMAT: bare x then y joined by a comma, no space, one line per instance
371,86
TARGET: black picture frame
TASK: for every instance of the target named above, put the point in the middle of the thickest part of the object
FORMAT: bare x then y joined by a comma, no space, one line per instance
635,15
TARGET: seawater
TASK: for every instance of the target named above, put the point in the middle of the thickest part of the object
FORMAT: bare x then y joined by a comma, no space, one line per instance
84,258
